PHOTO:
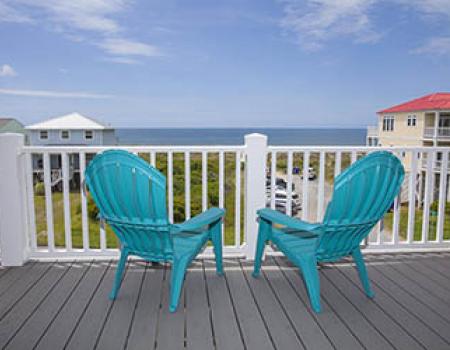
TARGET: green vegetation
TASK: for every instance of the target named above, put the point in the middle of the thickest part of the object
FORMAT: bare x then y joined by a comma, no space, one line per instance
178,200
403,225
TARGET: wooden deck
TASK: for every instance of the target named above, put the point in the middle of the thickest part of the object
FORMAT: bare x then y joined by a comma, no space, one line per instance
65,305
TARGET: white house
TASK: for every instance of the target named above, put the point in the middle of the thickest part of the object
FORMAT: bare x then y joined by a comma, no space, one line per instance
71,129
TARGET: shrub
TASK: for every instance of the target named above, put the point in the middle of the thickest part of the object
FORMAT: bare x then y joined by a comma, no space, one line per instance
39,189
92,208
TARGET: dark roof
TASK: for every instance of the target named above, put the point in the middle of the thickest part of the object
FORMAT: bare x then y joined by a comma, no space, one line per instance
4,121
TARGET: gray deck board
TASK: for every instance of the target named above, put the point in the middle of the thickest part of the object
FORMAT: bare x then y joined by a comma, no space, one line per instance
336,331
37,323
349,314
254,331
199,333
415,290
225,325
406,319
394,334
60,330
115,331
170,333
85,334
424,280
13,320
298,311
21,287
65,305
431,274
10,276
144,327
403,297
281,329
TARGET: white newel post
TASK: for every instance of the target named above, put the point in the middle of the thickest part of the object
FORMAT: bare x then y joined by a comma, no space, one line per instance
13,237
255,187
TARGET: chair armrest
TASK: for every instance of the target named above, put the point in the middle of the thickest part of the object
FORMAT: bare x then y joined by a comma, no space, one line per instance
294,225
198,222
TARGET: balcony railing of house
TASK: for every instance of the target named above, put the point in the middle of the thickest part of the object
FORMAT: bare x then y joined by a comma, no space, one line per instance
372,131
436,163
39,220
442,132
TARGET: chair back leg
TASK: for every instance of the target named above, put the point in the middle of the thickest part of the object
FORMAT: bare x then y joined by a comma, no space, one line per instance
362,272
119,274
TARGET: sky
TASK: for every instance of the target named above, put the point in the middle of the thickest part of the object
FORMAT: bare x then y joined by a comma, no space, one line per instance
223,63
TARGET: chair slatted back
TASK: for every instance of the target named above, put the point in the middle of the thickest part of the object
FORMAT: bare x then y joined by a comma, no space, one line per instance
131,197
362,195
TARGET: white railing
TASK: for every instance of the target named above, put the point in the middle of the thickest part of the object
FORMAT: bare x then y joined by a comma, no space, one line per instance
441,132
174,161
58,222
424,192
372,131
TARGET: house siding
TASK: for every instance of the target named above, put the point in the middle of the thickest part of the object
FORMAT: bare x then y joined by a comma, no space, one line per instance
76,138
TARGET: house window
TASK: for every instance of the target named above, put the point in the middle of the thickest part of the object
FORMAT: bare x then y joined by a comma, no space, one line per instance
88,134
412,120
388,123
43,135
65,134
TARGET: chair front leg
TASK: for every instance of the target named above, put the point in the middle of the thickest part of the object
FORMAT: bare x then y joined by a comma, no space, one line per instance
216,238
176,283
308,265
264,231
119,273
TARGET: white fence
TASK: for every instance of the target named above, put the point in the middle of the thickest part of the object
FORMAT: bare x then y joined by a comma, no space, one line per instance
40,220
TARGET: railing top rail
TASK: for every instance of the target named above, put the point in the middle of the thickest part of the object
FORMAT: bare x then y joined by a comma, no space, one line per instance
139,149
355,148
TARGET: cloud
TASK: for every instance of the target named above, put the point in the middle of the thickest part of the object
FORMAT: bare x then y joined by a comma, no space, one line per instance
9,14
125,47
78,18
315,22
439,46
433,8
7,71
84,15
121,60
436,12
53,94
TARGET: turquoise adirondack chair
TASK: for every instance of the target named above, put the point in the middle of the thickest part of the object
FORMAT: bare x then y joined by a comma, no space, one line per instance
362,195
131,197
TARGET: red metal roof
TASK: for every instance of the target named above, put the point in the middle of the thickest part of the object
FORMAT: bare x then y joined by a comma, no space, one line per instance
437,101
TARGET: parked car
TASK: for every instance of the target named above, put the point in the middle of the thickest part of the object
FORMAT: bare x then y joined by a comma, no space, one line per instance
281,201
311,174
279,182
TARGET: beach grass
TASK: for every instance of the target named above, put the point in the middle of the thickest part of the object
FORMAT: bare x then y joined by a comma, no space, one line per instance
418,220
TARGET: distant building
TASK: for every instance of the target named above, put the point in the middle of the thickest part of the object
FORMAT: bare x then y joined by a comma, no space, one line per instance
72,129
11,125
424,121
421,122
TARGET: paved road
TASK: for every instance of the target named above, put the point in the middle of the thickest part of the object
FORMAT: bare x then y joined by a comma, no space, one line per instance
312,194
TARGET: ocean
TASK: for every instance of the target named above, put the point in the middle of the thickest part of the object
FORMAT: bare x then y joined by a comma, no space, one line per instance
235,136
